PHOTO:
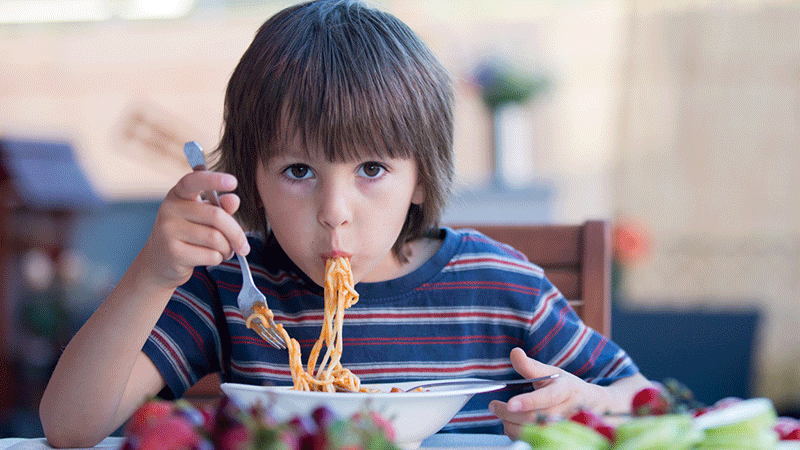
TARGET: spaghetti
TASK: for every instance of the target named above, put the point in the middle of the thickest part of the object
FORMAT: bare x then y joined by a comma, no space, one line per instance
330,376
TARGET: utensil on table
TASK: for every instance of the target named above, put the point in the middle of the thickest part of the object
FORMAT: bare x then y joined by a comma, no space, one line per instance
478,381
249,295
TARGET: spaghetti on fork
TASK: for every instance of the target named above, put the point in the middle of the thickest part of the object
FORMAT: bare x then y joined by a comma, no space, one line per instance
330,376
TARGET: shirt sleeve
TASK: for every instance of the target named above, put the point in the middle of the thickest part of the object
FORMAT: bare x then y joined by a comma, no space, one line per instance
185,343
559,338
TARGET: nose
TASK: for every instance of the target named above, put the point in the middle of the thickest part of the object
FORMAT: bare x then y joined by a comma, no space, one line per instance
334,205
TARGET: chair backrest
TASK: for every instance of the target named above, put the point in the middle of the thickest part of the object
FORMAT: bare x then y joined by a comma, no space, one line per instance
575,258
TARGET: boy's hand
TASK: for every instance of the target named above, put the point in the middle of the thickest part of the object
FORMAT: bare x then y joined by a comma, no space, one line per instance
190,232
559,396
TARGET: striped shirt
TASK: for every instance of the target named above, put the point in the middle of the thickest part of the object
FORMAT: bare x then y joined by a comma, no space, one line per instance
459,315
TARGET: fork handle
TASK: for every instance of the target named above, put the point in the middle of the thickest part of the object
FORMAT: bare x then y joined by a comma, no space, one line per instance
213,198
245,268
212,195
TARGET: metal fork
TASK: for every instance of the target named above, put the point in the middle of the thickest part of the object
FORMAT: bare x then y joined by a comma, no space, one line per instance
249,295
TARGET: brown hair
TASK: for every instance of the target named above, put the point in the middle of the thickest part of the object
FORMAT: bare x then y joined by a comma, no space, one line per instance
347,79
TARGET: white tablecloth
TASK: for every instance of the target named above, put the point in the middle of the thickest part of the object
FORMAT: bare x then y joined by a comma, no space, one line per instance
437,441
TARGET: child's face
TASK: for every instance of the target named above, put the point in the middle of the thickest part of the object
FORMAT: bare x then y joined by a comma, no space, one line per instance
319,209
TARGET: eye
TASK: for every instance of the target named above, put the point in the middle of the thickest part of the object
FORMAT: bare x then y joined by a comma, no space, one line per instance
371,169
298,172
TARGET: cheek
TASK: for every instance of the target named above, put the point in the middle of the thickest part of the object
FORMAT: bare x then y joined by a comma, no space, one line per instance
386,218
283,212
285,215
385,206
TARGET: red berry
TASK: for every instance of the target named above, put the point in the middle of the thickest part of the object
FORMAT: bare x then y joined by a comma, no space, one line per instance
170,433
608,431
585,417
146,415
650,401
788,429
592,420
323,416
793,435
237,437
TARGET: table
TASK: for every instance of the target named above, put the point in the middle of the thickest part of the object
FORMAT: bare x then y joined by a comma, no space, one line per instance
437,441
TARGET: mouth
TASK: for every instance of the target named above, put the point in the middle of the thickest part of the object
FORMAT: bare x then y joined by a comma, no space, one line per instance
335,254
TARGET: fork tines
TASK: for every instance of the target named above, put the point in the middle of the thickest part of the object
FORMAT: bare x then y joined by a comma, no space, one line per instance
270,334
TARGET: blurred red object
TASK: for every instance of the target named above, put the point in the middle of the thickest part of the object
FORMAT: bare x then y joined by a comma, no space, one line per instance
631,241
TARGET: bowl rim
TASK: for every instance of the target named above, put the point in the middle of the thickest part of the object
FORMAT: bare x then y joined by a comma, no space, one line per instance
447,391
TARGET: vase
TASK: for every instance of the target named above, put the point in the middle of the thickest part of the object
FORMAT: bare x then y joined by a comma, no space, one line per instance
512,159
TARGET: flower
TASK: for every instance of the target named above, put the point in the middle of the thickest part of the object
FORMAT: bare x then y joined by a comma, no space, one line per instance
499,83
630,242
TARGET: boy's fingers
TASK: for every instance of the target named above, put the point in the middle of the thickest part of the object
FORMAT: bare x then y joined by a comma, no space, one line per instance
529,367
195,255
546,396
500,409
547,400
512,430
214,227
194,183
229,202
221,220
208,238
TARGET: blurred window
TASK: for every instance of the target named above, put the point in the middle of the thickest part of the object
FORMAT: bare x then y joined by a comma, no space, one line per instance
48,11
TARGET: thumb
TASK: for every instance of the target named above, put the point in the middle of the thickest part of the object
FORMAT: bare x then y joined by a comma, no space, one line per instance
529,367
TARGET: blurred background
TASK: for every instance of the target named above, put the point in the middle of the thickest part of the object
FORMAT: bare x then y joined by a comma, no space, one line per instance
677,121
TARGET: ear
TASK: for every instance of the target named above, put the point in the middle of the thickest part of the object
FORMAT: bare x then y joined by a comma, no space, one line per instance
419,194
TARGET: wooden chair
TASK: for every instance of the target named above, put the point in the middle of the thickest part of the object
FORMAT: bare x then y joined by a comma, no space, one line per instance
575,258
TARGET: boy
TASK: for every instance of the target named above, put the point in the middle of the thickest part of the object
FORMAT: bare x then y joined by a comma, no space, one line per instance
338,131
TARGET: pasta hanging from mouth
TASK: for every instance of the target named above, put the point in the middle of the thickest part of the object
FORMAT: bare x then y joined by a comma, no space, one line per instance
330,376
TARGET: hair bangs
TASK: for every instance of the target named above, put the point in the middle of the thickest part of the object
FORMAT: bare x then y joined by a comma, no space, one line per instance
328,124
343,96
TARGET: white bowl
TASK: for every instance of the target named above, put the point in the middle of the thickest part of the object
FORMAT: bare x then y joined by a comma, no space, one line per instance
414,415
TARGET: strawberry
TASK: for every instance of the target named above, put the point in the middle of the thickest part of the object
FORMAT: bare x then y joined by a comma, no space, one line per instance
313,441
608,431
585,417
592,420
146,415
169,433
235,437
788,429
650,401
323,417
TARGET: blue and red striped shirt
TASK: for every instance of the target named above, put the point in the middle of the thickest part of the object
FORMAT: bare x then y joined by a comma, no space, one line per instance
459,315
